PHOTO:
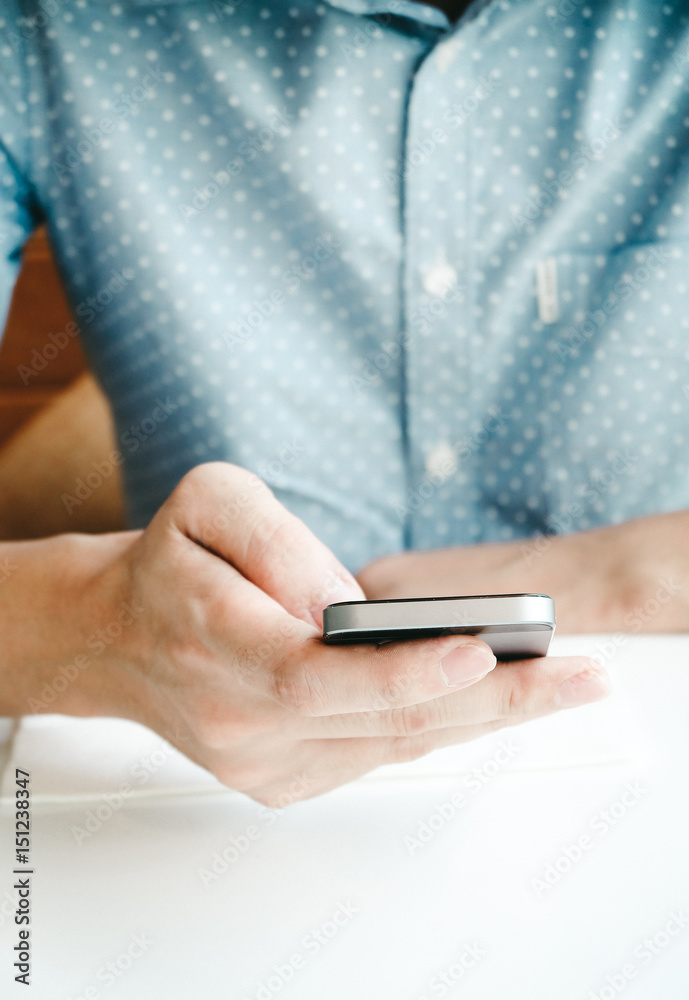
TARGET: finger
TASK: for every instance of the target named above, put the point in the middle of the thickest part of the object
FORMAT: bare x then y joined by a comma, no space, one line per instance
327,764
246,664
257,645
312,679
511,693
234,514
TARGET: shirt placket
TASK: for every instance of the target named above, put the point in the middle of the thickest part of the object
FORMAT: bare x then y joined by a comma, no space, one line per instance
437,306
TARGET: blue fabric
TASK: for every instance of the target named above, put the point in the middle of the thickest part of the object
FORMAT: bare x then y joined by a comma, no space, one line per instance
429,281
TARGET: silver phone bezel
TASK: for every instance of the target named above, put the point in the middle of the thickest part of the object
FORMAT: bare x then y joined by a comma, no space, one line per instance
513,625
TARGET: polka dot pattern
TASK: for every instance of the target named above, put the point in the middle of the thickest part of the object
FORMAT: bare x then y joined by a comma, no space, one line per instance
429,281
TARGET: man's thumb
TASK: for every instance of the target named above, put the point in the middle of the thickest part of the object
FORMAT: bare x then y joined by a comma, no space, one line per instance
234,514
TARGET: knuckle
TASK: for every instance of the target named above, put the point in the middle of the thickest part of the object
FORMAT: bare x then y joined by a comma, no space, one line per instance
197,478
513,696
266,536
411,720
207,477
188,492
394,689
297,688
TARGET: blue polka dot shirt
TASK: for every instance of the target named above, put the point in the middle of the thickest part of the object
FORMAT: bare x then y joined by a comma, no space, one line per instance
428,280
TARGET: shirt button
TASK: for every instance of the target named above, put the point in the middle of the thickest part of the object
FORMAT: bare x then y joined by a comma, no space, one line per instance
438,279
441,463
445,54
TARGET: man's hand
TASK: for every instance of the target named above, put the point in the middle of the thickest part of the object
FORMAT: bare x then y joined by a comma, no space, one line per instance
630,577
222,653
229,652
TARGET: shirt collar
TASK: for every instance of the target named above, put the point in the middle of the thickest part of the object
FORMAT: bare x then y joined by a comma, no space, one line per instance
402,8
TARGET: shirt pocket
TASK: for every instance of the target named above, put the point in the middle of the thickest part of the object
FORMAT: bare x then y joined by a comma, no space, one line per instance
616,413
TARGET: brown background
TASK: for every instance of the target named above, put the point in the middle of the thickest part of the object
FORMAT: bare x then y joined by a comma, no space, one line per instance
38,308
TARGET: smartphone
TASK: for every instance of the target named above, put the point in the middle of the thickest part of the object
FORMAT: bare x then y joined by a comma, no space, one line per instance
515,626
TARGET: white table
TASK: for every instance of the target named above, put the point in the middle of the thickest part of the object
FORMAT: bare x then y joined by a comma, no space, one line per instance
330,900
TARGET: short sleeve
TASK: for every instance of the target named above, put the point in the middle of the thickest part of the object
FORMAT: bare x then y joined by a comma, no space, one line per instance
18,213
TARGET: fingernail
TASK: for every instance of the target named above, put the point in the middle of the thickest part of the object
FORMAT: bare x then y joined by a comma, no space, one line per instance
470,681
591,685
466,663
